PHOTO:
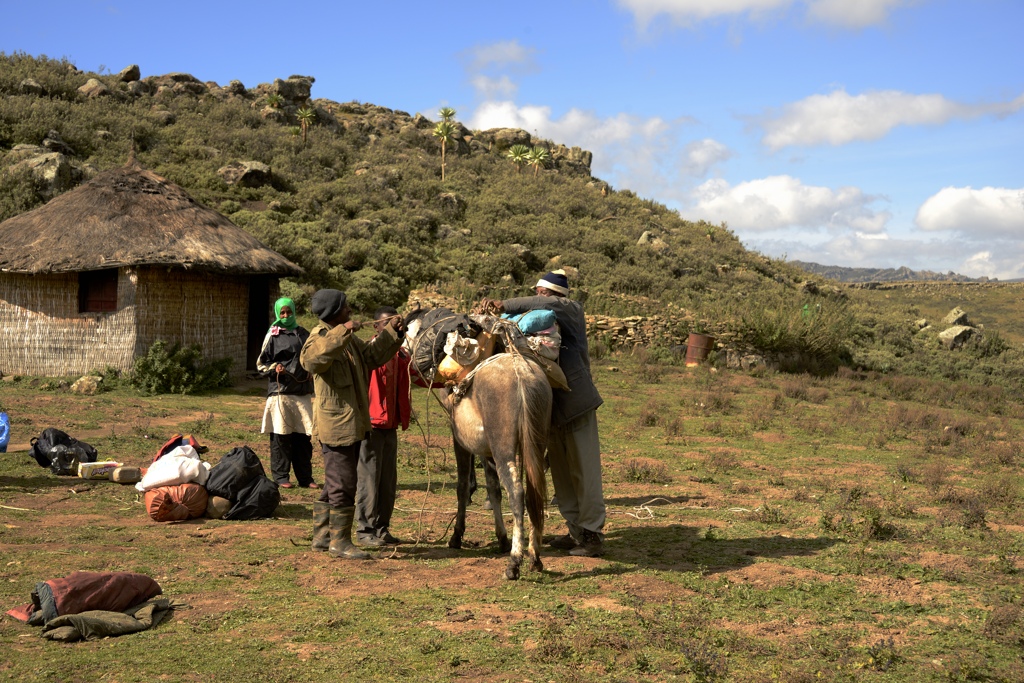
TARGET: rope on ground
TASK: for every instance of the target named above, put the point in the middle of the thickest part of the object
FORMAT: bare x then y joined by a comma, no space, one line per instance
8,507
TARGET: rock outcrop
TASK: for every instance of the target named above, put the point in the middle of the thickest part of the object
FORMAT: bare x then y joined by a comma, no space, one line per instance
245,173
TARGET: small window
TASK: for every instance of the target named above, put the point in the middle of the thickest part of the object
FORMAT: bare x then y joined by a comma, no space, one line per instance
97,291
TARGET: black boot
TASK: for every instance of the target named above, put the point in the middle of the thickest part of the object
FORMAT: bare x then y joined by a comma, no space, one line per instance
341,535
321,526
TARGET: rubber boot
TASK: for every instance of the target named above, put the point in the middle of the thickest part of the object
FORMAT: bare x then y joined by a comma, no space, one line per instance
341,535
321,526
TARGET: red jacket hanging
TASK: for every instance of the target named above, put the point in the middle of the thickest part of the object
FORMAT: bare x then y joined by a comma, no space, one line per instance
389,393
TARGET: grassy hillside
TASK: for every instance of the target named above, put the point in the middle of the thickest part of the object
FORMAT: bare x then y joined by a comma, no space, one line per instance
358,201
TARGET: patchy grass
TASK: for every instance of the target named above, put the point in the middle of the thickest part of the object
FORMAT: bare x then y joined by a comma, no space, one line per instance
762,537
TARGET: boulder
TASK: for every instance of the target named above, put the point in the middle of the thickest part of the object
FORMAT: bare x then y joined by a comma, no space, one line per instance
503,138
921,323
94,88
129,73
23,151
956,317
809,287
162,116
295,90
53,142
275,115
31,87
235,88
54,170
139,88
956,336
88,385
652,241
245,173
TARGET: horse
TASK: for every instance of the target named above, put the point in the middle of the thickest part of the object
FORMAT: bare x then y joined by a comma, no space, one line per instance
501,413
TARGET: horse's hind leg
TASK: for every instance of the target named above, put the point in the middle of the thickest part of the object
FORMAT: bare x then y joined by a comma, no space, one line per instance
494,495
463,462
511,478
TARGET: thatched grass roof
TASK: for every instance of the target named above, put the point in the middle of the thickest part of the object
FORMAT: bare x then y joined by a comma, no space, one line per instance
130,216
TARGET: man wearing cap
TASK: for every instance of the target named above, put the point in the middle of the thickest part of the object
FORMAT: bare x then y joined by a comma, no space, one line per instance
574,451
341,363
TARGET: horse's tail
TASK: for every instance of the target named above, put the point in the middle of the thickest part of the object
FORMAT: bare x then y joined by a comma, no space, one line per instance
531,441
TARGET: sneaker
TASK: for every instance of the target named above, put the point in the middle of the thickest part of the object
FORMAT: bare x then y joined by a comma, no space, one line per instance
566,542
590,545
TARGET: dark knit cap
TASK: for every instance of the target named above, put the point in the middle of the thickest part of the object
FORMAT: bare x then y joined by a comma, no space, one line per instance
327,303
556,281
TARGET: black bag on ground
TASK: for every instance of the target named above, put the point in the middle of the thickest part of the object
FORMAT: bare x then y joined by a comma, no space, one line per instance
60,452
257,500
234,472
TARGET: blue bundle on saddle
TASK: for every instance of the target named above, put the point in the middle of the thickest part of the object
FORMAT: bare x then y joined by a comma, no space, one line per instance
534,321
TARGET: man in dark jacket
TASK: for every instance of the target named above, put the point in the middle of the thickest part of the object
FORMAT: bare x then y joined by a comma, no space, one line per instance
378,453
341,363
574,451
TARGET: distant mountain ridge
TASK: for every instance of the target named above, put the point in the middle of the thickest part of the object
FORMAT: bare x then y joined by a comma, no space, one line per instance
901,274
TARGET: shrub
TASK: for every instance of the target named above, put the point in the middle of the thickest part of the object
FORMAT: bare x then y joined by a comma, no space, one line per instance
178,370
645,471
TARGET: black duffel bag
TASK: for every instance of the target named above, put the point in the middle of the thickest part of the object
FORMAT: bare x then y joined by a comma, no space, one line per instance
60,452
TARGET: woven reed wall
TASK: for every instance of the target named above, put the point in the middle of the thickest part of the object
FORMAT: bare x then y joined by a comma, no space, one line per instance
42,332
189,307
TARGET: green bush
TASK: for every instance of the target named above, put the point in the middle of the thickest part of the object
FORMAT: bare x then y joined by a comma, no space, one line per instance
176,369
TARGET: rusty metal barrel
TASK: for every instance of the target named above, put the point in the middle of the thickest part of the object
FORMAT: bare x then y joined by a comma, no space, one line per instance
697,348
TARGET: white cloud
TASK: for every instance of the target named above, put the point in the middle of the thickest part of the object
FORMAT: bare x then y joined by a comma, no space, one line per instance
975,214
702,155
491,88
779,202
501,55
839,118
844,13
628,150
853,13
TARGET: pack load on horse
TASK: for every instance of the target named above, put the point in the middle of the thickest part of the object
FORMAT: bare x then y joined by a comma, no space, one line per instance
499,408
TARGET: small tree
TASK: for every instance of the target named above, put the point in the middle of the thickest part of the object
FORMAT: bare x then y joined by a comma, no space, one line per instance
446,114
537,158
307,117
445,132
275,100
519,155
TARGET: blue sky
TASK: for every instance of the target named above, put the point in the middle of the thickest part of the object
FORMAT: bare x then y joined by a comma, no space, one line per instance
852,132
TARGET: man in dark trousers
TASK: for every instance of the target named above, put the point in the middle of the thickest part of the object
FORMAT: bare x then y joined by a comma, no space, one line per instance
341,365
378,454
574,451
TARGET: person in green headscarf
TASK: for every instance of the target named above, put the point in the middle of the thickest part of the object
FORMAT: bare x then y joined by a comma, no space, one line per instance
288,415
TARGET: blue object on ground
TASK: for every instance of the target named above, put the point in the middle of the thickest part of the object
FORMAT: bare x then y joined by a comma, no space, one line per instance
5,432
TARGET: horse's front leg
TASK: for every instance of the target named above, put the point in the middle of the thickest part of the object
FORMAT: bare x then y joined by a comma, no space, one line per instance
464,465
494,495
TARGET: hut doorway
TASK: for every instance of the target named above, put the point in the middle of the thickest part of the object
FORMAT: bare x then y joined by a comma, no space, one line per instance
259,317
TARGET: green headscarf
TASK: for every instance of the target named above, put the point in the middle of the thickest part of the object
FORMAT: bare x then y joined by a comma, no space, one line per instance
291,322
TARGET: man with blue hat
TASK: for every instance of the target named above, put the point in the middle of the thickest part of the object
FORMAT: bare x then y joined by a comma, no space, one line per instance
574,451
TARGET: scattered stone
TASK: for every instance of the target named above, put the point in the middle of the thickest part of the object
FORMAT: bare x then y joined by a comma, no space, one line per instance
921,323
275,115
809,287
129,73
31,87
956,317
94,88
163,117
53,142
245,173
235,88
956,336
217,507
87,385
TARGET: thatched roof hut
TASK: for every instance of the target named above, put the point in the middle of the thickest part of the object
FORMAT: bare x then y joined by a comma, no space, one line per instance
94,277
